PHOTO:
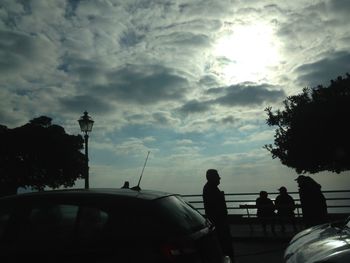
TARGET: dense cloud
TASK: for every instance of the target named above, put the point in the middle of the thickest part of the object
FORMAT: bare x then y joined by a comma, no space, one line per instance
23,55
145,84
195,106
242,95
247,95
94,104
340,6
322,71
118,53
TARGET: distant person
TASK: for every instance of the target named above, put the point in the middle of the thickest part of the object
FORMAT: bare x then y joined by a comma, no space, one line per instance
216,211
285,206
126,185
312,200
265,211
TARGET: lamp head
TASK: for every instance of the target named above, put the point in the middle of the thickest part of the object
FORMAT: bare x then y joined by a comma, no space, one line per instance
86,123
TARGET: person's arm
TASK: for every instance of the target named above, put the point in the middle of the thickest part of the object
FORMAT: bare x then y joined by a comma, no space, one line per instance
209,205
277,203
258,206
292,204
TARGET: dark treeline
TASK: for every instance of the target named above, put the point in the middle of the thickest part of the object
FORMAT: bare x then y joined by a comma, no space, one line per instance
39,154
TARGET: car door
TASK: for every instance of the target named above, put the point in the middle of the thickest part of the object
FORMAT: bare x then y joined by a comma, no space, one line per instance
55,229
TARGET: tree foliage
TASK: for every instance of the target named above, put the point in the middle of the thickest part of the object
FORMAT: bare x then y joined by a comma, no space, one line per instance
313,132
39,154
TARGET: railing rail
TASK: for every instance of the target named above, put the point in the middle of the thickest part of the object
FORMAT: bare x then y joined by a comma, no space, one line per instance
337,202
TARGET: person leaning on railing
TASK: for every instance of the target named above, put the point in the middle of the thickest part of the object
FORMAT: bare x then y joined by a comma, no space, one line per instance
313,203
285,206
265,211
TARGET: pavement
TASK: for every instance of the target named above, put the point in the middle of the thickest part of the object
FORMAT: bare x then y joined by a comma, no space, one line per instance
252,245
259,252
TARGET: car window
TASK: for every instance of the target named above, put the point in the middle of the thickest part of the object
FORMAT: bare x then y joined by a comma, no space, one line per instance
50,222
92,221
182,217
61,222
164,217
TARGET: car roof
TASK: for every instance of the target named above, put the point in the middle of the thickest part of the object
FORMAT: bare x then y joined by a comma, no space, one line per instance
124,193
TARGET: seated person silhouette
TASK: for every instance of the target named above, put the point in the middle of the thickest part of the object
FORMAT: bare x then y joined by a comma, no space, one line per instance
266,211
285,206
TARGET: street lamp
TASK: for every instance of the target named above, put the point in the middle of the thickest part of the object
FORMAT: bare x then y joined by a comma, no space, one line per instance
86,123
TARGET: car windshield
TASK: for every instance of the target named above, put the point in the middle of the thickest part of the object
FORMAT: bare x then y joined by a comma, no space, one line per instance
182,217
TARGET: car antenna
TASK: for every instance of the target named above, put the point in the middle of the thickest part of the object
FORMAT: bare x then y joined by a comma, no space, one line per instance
137,187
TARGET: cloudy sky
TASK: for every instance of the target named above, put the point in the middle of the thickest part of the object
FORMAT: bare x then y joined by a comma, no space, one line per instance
187,80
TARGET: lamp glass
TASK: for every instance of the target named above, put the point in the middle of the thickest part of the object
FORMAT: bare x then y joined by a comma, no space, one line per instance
86,123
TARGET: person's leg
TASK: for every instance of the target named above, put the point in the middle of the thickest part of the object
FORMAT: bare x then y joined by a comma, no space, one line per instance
226,241
272,222
282,221
263,224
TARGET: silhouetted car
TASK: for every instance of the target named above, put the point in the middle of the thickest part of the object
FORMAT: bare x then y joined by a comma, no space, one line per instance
104,225
326,243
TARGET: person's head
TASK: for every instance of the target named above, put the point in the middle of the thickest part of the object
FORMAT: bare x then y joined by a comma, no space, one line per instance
126,184
306,182
263,194
301,179
282,190
213,176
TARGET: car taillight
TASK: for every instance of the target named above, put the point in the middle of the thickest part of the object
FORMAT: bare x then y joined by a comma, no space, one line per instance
171,252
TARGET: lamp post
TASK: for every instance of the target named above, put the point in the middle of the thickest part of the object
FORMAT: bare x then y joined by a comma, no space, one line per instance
86,123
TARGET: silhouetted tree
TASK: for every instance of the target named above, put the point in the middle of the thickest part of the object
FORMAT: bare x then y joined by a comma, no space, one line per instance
39,154
313,133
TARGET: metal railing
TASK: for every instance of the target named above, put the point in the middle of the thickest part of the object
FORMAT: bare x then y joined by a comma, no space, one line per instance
338,202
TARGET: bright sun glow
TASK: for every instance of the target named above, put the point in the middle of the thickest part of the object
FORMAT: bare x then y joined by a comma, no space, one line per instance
247,53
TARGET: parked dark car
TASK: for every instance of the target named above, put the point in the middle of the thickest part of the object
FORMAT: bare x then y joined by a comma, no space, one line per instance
326,243
104,225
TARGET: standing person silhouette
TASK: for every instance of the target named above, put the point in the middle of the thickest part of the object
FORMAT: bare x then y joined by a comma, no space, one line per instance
265,211
285,206
216,211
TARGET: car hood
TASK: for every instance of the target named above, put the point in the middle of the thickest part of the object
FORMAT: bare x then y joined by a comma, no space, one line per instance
319,243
